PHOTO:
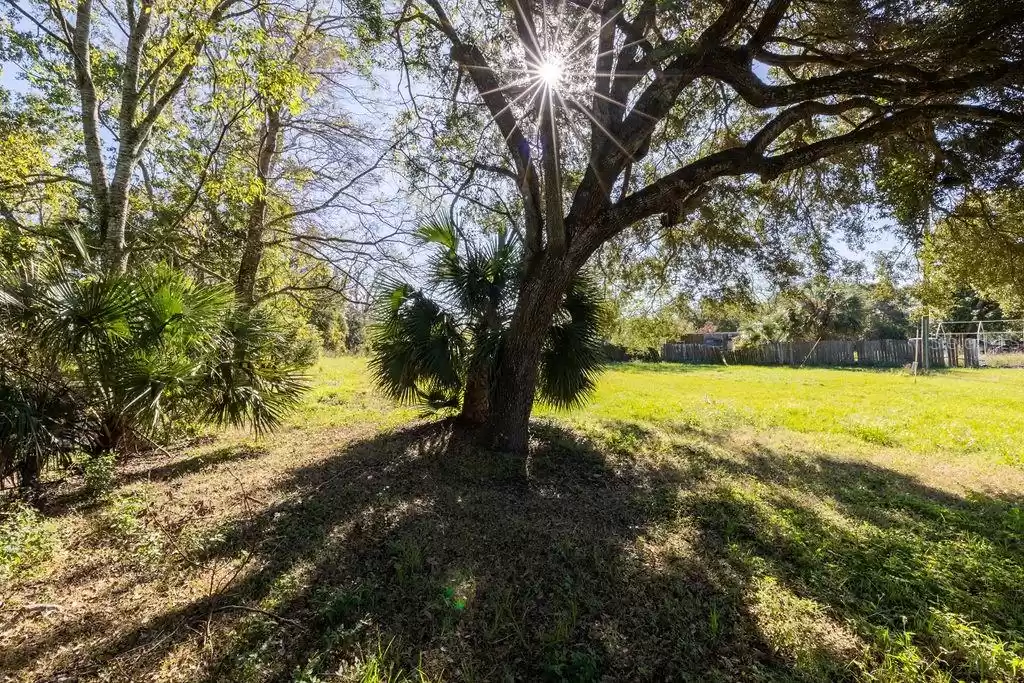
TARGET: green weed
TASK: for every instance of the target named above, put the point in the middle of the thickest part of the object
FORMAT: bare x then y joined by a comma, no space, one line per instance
123,525
99,474
27,540
407,559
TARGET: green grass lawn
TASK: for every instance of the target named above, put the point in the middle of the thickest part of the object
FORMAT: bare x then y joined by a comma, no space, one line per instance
692,523
958,413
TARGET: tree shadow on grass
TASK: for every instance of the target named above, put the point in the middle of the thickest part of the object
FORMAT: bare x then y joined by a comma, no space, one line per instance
420,552
931,583
62,497
167,471
415,552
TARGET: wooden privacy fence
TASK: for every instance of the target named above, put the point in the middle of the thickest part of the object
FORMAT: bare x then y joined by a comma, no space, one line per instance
950,352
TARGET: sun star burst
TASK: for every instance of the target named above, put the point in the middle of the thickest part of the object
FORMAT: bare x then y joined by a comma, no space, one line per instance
550,73
553,83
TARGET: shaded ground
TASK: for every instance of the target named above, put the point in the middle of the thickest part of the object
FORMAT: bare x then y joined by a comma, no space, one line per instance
630,552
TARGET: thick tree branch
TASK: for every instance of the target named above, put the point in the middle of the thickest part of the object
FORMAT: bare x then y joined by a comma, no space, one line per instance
665,194
733,67
790,117
491,91
725,24
769,22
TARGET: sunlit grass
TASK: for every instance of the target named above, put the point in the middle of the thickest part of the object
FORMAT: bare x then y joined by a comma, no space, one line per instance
342,394
975,413
957,412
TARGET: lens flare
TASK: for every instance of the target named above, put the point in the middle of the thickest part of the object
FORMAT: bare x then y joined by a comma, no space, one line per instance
550,73
558,75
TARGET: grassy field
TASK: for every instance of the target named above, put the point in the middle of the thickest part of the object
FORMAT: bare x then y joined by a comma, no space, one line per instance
693,523
1004,360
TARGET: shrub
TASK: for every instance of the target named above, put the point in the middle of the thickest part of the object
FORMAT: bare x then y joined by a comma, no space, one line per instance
302,346
614,353
98,473
250,381
26,540
355,325
331,321
649,354
42,422
135,353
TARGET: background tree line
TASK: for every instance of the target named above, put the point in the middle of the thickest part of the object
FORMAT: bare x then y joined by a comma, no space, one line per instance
819,309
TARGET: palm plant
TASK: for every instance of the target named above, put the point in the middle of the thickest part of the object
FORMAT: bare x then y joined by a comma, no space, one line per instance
823,310
40,421
439,345
773,328
248,379
136,347
813,312
134,355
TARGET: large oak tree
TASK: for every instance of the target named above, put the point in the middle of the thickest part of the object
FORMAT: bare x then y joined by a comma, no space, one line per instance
609,114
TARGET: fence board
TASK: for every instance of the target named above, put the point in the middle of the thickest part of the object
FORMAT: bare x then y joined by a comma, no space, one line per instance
874,353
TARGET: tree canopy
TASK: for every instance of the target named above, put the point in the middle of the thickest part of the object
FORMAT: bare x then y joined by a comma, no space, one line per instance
979,246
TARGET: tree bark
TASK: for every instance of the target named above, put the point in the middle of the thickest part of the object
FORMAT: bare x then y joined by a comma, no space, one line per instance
116,245
252,250
476,402
129,145
81,57
515,381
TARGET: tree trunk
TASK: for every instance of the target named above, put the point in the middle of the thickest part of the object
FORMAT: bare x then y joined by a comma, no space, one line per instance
252,251
515,386
29,470
515,381
252,255
81,59
115,248
476,402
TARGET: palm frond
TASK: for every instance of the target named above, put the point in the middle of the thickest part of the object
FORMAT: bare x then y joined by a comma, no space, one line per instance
81,313
80,246
440,230
481,282
147,384
174,308
418,348
250,385
9,299
573,354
